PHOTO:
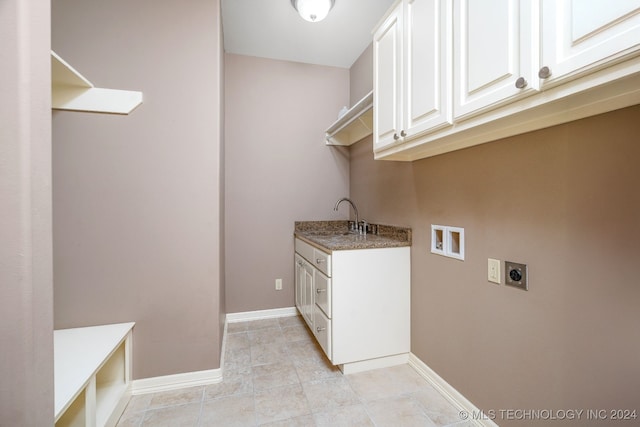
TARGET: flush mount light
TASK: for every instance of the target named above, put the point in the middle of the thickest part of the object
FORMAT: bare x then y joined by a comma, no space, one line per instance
313,10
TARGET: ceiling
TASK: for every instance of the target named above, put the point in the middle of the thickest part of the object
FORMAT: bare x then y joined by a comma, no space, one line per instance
273,29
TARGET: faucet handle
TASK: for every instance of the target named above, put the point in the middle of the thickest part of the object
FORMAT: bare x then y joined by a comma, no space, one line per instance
365,226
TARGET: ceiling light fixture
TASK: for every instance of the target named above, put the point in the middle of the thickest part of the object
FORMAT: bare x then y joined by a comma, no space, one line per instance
313,10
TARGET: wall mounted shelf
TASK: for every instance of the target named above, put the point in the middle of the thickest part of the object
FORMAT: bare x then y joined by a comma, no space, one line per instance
354,125
71,91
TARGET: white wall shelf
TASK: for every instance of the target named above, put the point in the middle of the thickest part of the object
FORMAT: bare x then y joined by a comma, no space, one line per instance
354,125
92,368
71,91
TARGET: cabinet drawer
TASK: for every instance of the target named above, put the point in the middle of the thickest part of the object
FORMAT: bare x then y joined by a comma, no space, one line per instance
305,250
323,293
322,330
322,261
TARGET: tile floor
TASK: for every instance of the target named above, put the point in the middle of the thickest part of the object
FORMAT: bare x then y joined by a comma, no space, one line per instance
276,375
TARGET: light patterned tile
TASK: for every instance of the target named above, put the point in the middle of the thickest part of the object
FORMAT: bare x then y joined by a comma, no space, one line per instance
237,362
304,421
173,416
274,375
281,403
266,336
329,394
314,369
399,411
236,327
301,352
347,416
263,324
296,333
265,354
237,341
439,409
229,412
290,321
176,397
139,403
230,386
406,379
131,419
372,385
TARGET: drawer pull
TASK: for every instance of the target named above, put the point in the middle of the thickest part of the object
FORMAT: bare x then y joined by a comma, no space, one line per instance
319,329
319,291
320,260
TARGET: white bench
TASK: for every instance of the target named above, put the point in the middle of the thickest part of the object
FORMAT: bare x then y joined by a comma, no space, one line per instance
92,368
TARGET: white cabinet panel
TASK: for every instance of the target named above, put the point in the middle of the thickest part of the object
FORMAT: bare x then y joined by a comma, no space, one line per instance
322,330
304,289
579,35
412,71
427,77
494,47
323,292
387,51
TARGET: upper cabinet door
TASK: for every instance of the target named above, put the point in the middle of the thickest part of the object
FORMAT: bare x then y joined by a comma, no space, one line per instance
387,72
495,46
580,36
428,49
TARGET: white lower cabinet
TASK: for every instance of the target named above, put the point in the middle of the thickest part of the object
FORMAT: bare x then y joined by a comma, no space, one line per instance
358,305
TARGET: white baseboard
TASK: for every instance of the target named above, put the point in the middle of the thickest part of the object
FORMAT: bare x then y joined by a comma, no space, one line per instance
211,376
261,314
450,393
176,381
380,362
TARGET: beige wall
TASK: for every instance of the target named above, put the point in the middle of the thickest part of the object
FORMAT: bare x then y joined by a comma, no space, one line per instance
26,282
361,76
278,170
563,200
138,198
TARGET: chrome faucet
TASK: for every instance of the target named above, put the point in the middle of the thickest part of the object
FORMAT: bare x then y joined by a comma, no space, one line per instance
353,205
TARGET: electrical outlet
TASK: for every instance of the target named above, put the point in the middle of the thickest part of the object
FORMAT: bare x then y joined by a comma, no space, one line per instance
516,275
493,270
278,284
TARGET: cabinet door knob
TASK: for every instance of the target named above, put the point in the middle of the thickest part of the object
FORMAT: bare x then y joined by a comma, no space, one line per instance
544,73
395,136
320,260
403,133
319,291
521,83
319,329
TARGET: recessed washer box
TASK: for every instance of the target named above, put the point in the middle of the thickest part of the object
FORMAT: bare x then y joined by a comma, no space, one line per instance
447,241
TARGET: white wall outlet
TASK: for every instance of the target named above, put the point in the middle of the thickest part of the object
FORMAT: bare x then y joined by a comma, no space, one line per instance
493,271
278,284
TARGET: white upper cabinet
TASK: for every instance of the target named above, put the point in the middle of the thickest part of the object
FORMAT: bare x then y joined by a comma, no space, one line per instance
412,71
499,68
579,36
387,84
495,53
428,65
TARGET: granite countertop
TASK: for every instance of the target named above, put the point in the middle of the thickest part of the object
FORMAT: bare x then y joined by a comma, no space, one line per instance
335,236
